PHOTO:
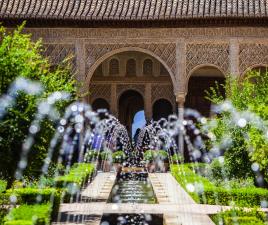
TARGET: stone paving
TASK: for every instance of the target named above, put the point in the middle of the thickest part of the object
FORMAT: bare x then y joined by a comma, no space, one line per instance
178,207
84,213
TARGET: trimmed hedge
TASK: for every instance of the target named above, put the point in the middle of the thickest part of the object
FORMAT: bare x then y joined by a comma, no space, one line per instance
29,215
241,217
3,185
118,157
78,174
207,193
4,201
32,196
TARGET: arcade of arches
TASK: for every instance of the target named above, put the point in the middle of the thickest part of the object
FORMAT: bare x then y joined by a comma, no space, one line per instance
168,67
131,81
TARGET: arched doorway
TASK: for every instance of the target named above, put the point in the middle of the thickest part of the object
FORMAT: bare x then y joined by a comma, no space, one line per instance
253,71
162,108
201,80
118,76
260,69
130,102
139,121
100,103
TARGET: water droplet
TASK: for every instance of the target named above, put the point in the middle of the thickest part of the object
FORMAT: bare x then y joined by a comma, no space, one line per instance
242,122
22,164
74,108
79,119
61,129
264,204
63,122
190,187
203,120
115,207
13,199
255,167
33,129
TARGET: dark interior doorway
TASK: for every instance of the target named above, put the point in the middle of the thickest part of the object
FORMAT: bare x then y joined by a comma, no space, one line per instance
162,108
202,80
130,102
100,103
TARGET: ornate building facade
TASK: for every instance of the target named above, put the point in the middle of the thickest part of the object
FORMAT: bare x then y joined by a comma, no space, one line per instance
157,55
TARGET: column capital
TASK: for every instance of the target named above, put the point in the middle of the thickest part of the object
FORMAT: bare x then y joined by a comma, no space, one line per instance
180,98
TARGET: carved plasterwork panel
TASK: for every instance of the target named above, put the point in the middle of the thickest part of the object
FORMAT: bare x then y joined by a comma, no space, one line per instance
252,54
99,91
120,88
167,52
163,92
207,54
58,52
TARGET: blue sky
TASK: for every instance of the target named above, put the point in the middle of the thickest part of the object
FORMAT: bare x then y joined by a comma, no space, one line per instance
138,122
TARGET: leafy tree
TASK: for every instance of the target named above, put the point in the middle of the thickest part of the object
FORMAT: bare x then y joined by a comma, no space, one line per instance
249,144
19,56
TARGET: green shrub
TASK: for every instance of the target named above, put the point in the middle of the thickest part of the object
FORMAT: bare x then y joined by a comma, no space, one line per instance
118,157
33,195
106,155
177,158
149,156
249,144
240,216
19,56
19,222
162,155
29,214
3,213
3,185
217,169
207,193
78,175
91,155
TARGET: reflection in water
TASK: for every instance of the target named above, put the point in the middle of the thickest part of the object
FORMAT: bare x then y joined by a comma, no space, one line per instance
132,187
131,219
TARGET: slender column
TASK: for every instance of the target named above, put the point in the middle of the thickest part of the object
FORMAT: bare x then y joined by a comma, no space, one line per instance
181,67
113,107
181,86
81,67
180,98
234,57
148,102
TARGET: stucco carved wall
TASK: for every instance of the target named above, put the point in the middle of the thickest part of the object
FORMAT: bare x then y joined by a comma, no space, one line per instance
120,88
99,91
58,52
231,49
167,52
205,54
252,54
164,91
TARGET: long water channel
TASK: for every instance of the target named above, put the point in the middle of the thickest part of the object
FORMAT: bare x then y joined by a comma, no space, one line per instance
133,188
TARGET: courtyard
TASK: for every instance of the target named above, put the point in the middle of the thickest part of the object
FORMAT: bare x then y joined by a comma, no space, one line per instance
133,112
